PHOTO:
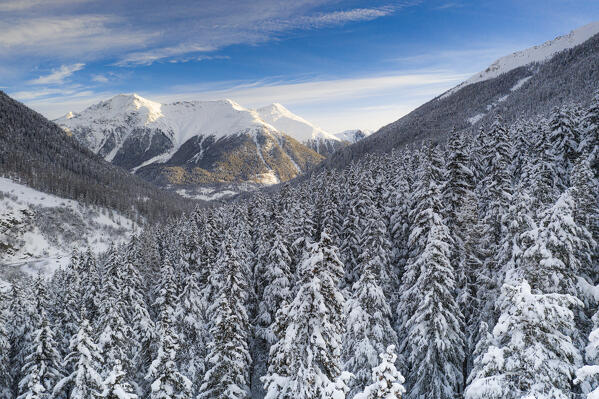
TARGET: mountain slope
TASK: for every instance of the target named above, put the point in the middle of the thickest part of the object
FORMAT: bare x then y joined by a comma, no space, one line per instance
189,143
39,231
36,152
300,129
569,76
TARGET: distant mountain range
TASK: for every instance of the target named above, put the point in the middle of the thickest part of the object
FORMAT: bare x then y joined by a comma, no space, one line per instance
526,84
195,144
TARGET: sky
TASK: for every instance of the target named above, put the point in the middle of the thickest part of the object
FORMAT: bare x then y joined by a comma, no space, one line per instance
339,64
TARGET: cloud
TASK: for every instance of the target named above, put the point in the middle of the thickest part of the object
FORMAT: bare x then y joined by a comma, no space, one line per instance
58,75
59,37
148,57
251,27
100,78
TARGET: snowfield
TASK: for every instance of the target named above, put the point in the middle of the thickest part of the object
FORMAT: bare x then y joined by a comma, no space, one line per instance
38,231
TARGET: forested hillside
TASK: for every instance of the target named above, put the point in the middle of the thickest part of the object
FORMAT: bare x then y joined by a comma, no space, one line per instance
475,261
38,153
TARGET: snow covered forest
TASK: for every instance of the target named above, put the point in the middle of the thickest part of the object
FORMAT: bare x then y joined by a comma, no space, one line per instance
459,270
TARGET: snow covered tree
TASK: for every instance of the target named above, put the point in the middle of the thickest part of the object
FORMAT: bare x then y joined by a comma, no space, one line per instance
550,262
531,354
192,331
277,277
368,330
5,347
116,385
229,358
42,369
305,362
387,381
564,138
353,227
427,305
590,140
85,381
590,372
166,380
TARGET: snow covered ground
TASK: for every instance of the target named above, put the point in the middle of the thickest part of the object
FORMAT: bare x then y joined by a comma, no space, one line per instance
38,231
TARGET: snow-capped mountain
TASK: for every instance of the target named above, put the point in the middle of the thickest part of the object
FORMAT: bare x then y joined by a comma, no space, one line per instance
192,142
536,54
353,135
300,129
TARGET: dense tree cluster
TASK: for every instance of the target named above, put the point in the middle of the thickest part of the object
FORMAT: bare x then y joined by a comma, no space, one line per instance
468,269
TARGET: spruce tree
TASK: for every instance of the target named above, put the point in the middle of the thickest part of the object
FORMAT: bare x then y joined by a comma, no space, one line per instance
531,354
165,379
42,369
368,330
387,380
428,304
85,361
305,362
5,347
116,385
229,358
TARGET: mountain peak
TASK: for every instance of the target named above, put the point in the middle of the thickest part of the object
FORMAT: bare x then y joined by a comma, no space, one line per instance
287,122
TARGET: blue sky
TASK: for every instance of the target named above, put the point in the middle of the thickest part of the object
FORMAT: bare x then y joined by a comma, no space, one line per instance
340,64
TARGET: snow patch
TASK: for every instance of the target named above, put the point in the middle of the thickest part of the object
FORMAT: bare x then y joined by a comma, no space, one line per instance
475,118
520,83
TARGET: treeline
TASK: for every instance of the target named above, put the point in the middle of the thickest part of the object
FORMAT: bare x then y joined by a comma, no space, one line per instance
38,153
477,261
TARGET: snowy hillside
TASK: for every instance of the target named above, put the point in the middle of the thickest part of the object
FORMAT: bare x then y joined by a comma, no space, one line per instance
540,53
38,231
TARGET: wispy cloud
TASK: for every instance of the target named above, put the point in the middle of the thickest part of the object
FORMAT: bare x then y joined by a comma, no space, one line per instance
249,29
57,76
100,78
80,35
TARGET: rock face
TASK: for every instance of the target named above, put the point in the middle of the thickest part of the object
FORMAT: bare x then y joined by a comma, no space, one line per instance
195,143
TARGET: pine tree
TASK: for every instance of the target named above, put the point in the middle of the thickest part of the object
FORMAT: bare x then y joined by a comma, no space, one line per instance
166,380
531,354
590,140
5,347
305,362
85,381
42,368
428,302
550,262
116,385
277,279
387,381
564,140
192,331
229,357
368,330
591,370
